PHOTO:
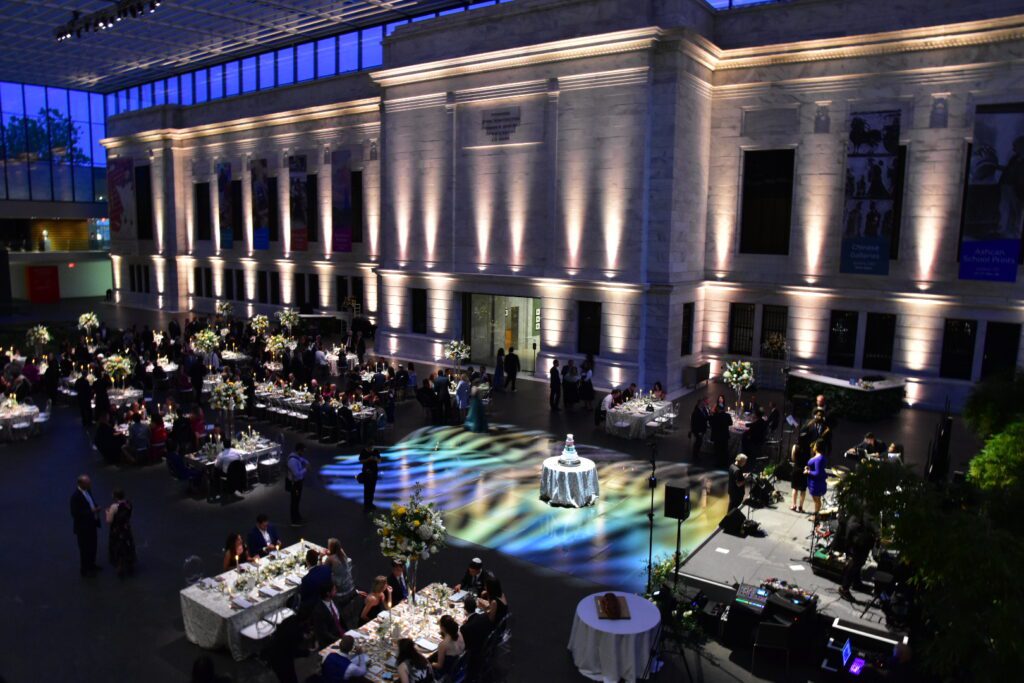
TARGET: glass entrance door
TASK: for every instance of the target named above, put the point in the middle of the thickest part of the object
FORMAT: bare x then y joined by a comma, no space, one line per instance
504,322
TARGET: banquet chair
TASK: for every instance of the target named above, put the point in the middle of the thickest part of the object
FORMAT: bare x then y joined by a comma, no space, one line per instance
21,428
157,451
42,418
252,474
193,569
182,472
268,468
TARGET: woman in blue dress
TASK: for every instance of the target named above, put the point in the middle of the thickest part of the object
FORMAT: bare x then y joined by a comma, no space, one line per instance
498,381
476,421
816,477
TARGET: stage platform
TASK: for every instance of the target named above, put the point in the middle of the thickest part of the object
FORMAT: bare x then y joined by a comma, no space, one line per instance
723,560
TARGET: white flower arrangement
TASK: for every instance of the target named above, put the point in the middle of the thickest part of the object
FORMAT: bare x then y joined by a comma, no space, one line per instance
456,350
250,440
739,375
88,322
158,338
224,332
38,335
413,531
276,344
775,346
259,323
118,367
288,317
205,341
225,308
228,396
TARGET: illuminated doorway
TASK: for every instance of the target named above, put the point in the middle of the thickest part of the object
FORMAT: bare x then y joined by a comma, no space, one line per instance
501,322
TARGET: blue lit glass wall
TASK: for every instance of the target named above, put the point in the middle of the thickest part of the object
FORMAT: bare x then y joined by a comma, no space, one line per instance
50,144
345,53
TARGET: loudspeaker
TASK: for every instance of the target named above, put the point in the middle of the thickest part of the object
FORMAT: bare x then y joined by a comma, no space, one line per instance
732,523
677,502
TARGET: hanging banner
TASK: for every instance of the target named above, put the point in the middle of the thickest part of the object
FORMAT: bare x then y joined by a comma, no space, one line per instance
227,234
297,202
121,196
341,200
993,211
260,204
872,173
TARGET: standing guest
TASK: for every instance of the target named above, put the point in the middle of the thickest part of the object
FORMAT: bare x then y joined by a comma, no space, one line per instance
570,384
587,384
263,538
720,422
737,481
295,479
370,459
772,418
451,648
412,666
318,575
472,581
84,395
325,618
347,664
555,385
376,601
816,476
173,329
122,540
720,403
235,552
85,515
462,397
498,381
700,418
101,399
754,437
511,368
341,571
396,581
798,479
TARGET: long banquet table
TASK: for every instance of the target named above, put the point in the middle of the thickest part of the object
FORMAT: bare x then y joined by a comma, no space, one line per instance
214,619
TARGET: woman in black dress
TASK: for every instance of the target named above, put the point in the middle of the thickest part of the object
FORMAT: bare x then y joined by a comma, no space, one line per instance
122,541
798,480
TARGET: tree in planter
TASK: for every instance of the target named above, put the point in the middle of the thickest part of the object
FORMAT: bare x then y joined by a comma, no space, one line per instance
1000,464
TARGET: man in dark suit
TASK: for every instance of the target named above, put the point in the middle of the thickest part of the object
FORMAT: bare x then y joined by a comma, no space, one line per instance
474,631
699,419
511,368
473,579
263,536
753,438
396,579
556,385
86,519
720,422
84,391
325,618
313,583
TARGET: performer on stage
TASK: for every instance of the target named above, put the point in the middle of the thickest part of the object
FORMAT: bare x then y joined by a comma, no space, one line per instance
737,481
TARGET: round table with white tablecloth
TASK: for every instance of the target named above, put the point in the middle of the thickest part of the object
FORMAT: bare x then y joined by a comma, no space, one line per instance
613,649
567,485
16,414
122,397
630,419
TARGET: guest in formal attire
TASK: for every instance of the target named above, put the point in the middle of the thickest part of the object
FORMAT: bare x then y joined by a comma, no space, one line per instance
798,479
511,368
451,648
700,418
295,479
318,575
263,538
412,666
476,420
658,392
84,396
772,418
370,460
570,385
325,618
493,600
396,582
138,440
107,441
348,664
587,384
122,541
473,580
85,515
498,381
341,571
376,601
286,645
754,437
235,552
475,631
609,401
462,396
737,481
720,422
816,476
555,385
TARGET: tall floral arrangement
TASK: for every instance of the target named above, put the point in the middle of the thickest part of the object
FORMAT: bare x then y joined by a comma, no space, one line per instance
410,533
118,367
260,324
88,322
225,308
228,396
456,350
277,343
205,341
158,338
739,374
38,336
288,317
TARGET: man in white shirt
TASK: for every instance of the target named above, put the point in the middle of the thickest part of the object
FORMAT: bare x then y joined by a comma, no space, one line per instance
607,403
223,462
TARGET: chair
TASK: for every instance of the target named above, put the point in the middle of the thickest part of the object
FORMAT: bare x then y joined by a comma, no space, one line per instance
21,429
268,468
771,636
181,471
42,418
252,474
193,569
259,631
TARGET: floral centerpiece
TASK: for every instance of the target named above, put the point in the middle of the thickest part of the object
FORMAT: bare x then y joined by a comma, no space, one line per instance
88,323
250,440
410,533
38,336
456,350
228,396
118,367
205,341
739,375
288,317
158,338
225,308
775,346
276,344
259,324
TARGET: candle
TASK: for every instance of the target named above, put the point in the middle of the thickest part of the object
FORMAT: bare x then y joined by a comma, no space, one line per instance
236,560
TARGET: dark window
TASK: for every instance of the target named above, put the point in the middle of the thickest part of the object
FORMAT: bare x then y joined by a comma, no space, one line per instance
313,291
357,206
774,328
240,285
228,278
958,348
273,210
201,211
741,329
145,279
340,291
419,310
312,208
299,290
197,281
144,202
1002,343
237,229
842,338
897,203
132,287
686,347
357,293
588,327
262,295
275,288
208,281
767,204
879,336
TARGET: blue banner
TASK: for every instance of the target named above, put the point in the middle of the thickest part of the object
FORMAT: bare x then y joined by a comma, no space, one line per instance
260,205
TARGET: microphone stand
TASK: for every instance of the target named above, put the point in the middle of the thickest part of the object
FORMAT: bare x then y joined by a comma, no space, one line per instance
652,483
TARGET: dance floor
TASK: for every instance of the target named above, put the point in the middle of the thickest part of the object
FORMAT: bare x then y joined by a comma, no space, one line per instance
488,486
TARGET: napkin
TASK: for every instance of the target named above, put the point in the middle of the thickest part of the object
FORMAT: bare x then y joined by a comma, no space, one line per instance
357,635
459,597
425,644
268,591
279,584
209,583
240,602
293,580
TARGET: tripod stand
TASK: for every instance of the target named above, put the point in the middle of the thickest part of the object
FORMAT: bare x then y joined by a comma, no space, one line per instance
652,483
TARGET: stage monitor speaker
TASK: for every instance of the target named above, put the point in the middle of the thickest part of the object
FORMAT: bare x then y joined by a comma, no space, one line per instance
677,502
732,523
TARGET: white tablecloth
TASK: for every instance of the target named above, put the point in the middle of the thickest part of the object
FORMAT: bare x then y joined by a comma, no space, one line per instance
20,413
613,649
120,397
569,486
213,623
631,421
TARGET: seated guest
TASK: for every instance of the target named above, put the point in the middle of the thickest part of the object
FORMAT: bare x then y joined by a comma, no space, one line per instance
607,403
474,630
235,552
472,580
377,600
263,538
226,457
138,438
630,393
396,582
412,666
349,664
157,432
493,600
451,648
107,441
318,575
869,446
182,436
325,618
658,392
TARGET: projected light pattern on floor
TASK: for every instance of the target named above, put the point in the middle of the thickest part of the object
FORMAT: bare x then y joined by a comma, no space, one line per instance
488,486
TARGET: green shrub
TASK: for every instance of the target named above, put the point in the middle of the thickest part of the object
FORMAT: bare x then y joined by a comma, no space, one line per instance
994,403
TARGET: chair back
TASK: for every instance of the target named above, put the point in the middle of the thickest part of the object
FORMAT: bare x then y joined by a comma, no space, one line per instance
193,569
